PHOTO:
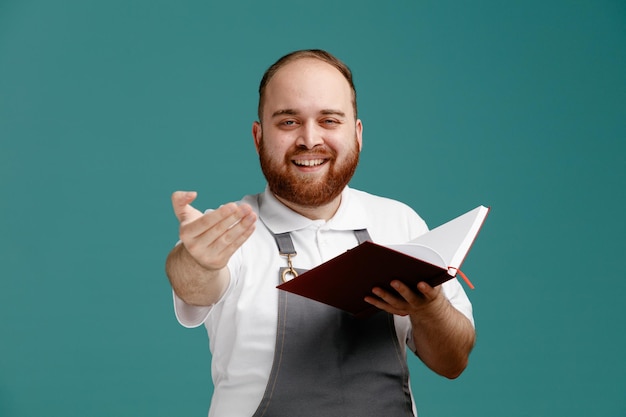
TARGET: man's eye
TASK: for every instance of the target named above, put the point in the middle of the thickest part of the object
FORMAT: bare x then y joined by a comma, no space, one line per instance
289,122
330,122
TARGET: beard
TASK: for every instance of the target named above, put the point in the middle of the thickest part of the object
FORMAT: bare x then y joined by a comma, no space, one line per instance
305,189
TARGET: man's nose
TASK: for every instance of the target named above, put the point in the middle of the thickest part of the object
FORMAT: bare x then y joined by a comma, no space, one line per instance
310,136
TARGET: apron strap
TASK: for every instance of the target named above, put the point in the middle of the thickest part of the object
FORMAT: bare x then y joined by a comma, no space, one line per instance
362,236
285,244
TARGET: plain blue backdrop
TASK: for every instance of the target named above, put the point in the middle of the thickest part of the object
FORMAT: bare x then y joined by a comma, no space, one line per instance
106,107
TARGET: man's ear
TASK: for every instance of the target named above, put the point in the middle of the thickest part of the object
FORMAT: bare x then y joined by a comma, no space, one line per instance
359,133
257,134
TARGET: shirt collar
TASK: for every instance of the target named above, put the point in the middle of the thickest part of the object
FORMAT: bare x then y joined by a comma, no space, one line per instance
279,218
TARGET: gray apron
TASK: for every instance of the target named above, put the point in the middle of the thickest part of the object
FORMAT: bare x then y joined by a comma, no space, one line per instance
328,363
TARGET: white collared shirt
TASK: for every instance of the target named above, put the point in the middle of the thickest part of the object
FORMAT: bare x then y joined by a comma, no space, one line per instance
242,325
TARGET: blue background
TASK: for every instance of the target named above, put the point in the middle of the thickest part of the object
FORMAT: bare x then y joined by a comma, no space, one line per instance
106,107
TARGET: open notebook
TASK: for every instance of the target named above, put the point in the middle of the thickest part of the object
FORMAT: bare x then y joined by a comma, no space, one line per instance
434,257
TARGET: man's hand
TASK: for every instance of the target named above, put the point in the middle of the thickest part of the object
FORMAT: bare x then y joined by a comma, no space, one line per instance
212,238
196,268
427,300
443,337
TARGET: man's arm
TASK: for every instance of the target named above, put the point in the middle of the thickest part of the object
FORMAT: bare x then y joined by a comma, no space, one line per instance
442,335
196,267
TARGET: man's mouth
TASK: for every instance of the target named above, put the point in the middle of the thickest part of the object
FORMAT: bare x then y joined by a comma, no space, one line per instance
309,162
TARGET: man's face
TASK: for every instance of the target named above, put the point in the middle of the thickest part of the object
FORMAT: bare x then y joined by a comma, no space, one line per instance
308,139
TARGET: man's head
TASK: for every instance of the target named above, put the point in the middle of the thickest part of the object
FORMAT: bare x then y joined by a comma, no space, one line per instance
308,136
306,53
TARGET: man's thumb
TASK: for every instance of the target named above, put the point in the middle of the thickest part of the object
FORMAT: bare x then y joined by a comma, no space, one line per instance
181,201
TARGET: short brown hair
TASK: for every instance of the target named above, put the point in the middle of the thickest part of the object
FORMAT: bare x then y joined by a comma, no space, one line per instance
306,53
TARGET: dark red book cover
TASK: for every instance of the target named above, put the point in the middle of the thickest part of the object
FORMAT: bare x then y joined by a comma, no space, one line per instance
344,281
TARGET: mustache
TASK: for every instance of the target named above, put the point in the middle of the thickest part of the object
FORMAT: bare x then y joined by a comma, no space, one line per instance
318,150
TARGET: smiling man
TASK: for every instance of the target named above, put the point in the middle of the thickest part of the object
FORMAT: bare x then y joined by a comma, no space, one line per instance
277,354
308,137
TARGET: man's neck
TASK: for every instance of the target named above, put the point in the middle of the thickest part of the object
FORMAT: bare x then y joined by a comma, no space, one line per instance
322,212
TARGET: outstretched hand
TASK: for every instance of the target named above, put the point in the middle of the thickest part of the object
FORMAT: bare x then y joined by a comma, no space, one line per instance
211,238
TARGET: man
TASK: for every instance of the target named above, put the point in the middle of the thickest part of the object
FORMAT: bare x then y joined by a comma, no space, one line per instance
277,354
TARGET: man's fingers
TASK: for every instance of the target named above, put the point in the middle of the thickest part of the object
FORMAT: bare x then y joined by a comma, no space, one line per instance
429,292
181,201
219,227
236,235
215,236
